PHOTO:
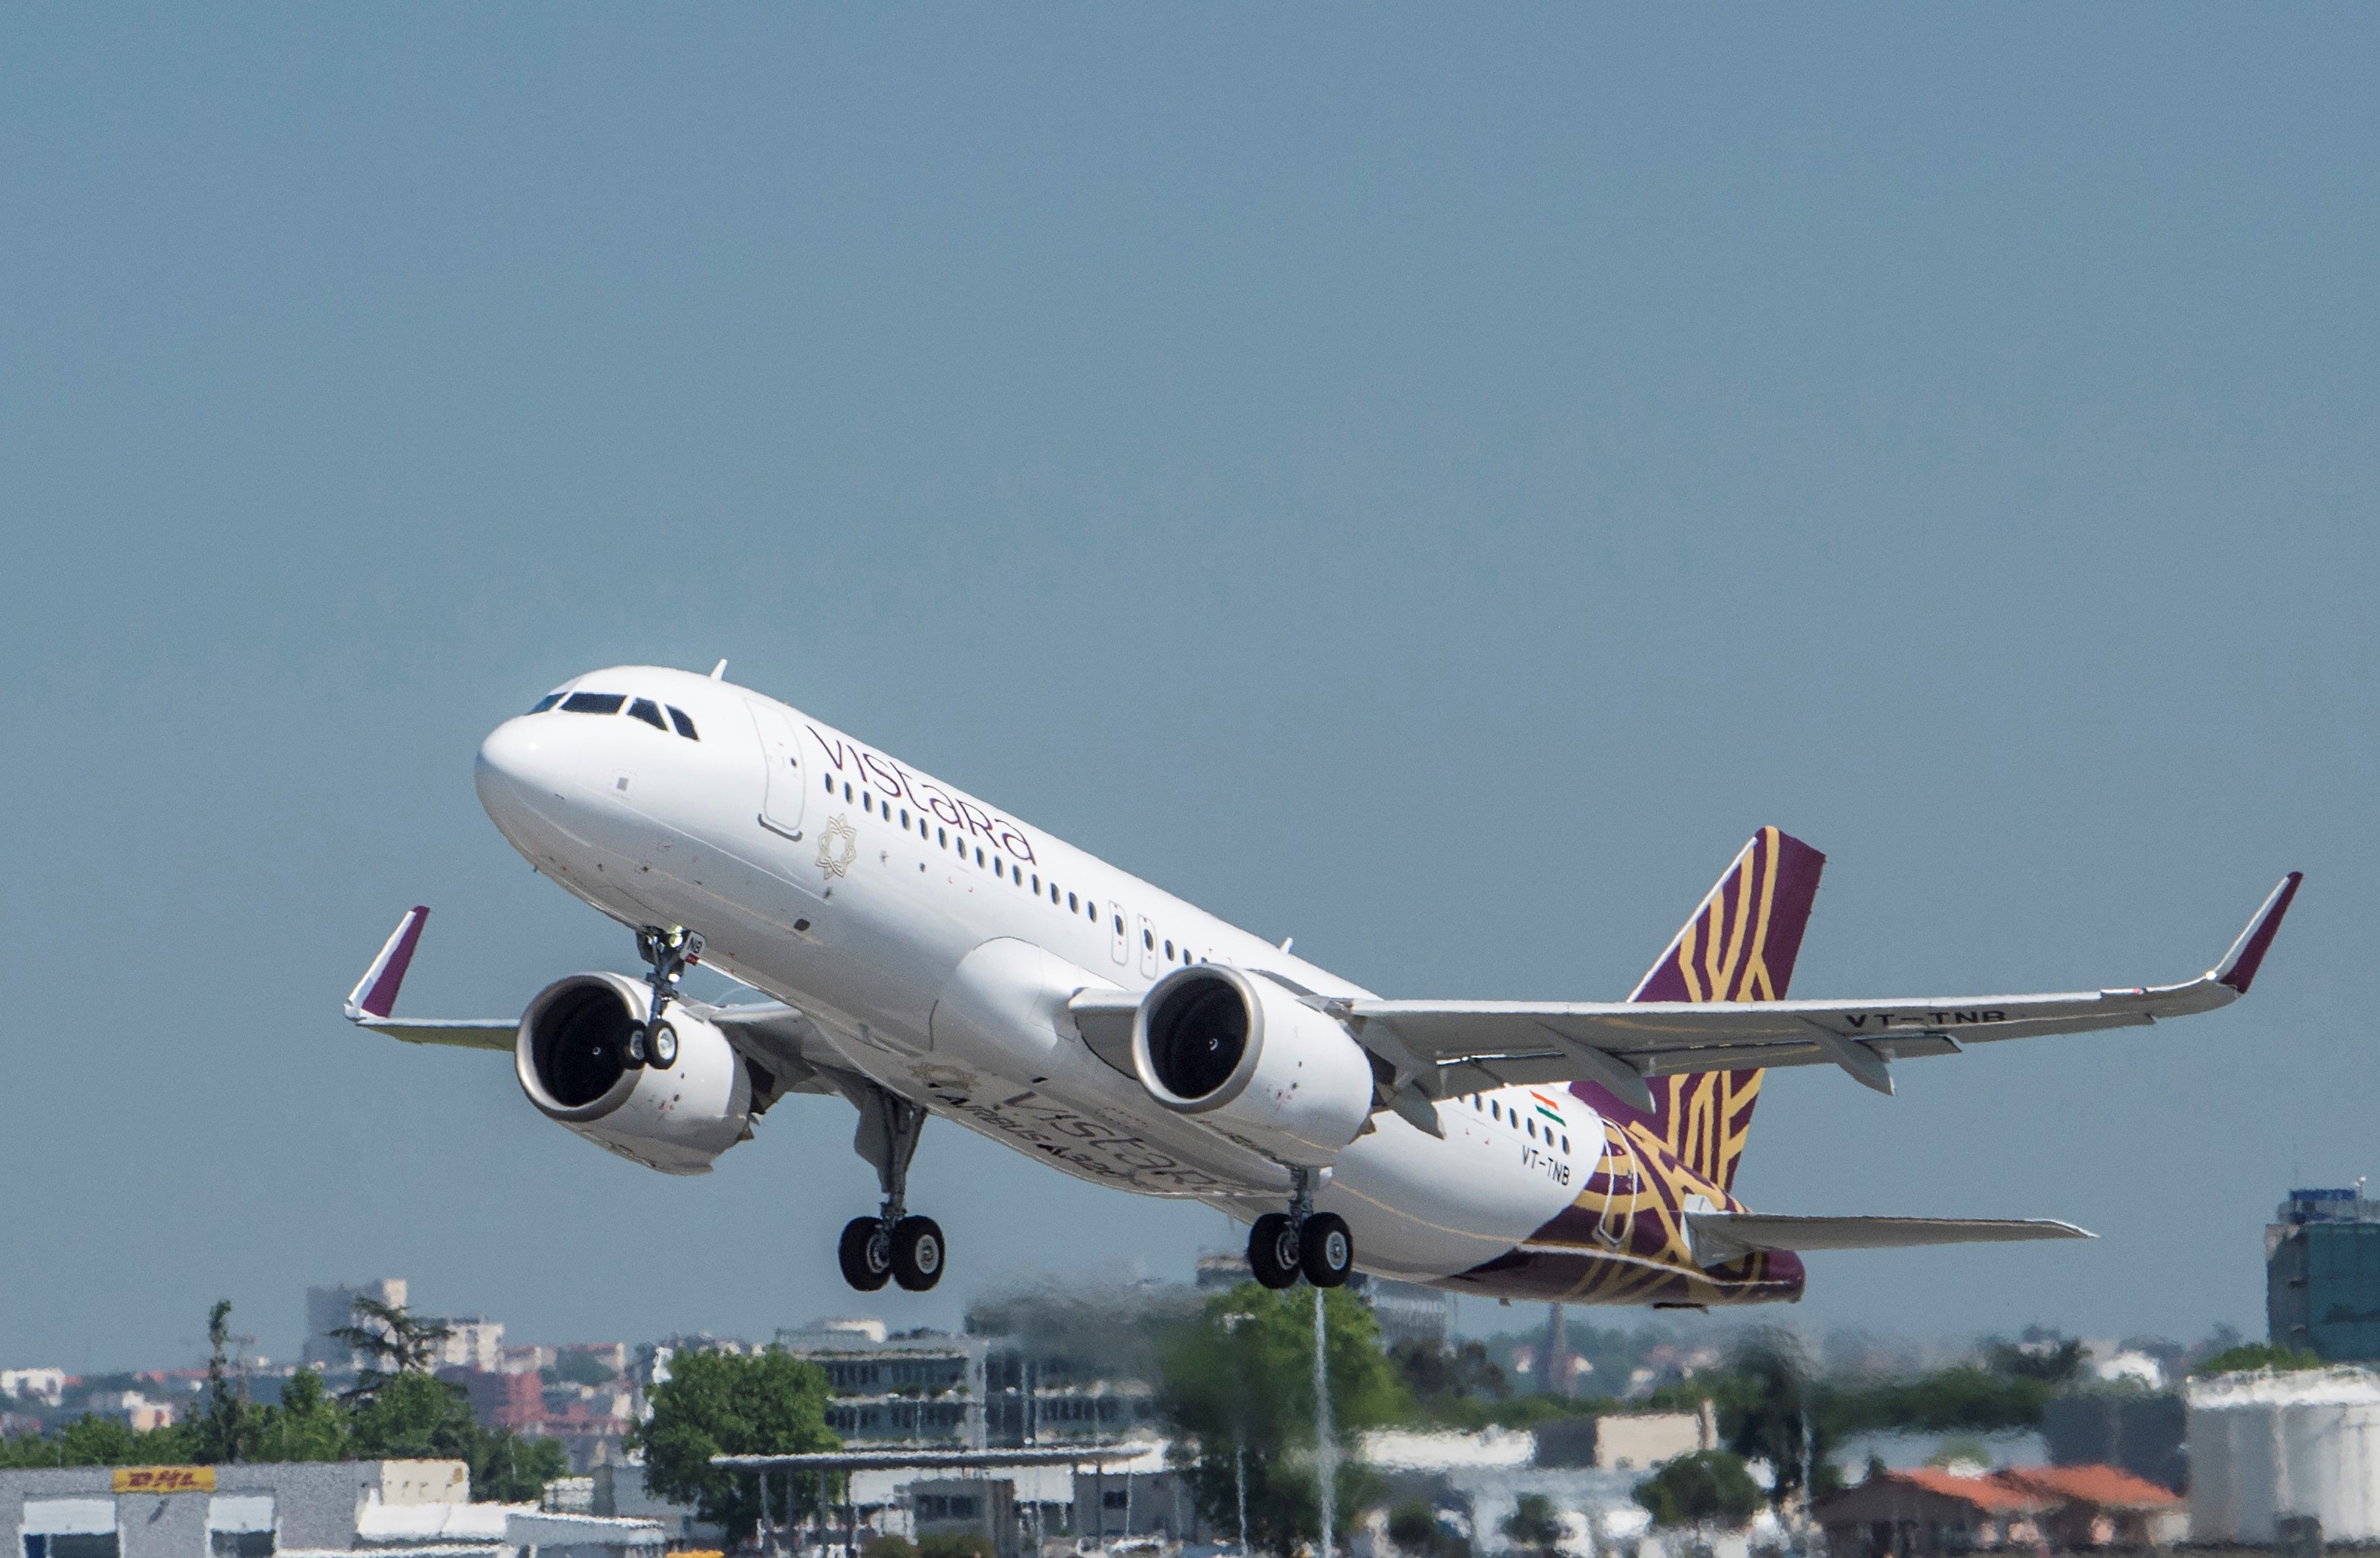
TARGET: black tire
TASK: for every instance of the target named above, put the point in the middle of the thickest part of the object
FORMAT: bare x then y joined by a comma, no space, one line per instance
1272,1253
661,1045
917,1253
634,1058
865,1253
1327,1257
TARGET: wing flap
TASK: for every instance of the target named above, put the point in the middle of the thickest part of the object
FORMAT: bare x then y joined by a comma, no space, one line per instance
1716,1237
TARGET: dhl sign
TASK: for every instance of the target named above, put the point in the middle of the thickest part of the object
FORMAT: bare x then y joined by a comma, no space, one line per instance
165,1479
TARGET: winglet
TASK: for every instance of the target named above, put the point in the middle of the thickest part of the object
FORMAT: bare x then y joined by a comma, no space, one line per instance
375,993
2238,966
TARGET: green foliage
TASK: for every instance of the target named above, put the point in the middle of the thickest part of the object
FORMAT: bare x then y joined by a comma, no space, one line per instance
419,1417
1533,1522
396,1340
309,1425
1434,1372
2039,1355
1238,1383
957,1544
1960,1400
1710,1488
94,1441
889,1547
720,1403
583,1368
1417,1532
2251,1356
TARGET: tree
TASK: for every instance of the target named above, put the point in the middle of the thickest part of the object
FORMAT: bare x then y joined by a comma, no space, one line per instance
419,1416
1534,1524
1237,1382
722,1404
309,1425
225,1430
1710,1487
1779,1419
397,1341
2251,1356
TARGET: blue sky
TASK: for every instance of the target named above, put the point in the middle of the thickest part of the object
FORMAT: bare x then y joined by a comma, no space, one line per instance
1428,482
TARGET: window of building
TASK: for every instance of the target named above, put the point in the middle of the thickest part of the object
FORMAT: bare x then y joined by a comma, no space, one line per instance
649,712
593,703
684,726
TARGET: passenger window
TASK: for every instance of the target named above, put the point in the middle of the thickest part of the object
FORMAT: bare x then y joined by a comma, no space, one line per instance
1495,1110
1147,937
830,784
1532,1131
592,703
904,819
942,837
1037,884
1169,950
649,712
684,726
1071,904
978,854
1016,874
847,792
546,702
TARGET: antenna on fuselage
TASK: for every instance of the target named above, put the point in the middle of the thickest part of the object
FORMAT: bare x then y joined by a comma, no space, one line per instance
719,671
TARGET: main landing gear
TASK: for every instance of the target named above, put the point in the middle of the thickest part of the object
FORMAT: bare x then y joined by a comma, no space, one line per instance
667,954
1284,1246
892,1244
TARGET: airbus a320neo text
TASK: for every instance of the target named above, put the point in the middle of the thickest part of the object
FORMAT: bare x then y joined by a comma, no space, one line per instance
925,954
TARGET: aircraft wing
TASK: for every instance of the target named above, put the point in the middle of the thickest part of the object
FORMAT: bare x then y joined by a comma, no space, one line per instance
769,1031
1716,1237
1450,1047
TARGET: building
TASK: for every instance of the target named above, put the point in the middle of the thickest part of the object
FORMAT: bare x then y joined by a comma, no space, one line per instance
42,1385
924,1387
472,1342
1625,1441
2266,1448
2138,1431
1915,1514
385,1508
2322,1274
2100,1506
1475,1482
501,1400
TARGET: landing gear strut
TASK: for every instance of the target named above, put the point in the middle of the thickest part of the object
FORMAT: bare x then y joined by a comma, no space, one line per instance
667,955
892,1244
1301,1242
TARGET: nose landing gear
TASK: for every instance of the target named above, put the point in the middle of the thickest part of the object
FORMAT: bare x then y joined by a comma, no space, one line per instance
1284,1247
667,955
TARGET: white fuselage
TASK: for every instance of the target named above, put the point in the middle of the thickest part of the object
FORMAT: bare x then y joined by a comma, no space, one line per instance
921,930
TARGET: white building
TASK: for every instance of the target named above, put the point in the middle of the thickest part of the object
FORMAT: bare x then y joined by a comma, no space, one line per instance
2270,1446
44,1385
333,1308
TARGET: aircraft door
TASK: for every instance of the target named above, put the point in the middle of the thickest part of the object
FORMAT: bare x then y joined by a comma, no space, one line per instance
780,803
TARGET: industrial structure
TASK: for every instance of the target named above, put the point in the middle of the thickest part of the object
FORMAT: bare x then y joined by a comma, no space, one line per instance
2322,1274
2270,1448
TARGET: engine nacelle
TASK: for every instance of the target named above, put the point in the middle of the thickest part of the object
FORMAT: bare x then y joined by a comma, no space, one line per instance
1250,1060
572,1059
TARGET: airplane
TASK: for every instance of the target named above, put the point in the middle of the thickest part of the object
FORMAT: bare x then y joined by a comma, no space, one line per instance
923,953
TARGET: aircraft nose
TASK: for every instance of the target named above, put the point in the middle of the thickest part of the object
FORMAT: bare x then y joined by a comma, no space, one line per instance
515,772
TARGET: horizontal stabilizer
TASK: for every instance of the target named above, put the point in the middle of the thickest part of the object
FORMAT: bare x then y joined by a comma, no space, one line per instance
1718,1237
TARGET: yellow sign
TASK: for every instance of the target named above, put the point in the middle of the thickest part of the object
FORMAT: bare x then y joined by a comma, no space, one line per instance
165,1479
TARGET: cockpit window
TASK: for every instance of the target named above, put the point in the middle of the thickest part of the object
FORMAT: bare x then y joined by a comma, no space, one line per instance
684,726
546,702
647,711
592,703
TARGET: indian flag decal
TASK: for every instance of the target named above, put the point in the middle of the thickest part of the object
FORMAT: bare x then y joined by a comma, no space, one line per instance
1546,1106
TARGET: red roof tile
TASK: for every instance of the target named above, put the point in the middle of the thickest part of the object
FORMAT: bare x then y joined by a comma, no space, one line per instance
1983,1493
2105,1486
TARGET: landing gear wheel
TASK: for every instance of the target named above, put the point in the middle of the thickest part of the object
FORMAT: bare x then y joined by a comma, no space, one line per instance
1272,1251
636,1056
917,1253
1328,1255
661,1044
865,1253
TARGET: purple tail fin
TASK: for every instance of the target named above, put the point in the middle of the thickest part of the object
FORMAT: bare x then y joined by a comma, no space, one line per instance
1738,946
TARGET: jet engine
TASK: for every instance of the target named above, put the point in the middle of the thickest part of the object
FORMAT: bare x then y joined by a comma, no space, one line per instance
572,1059
1246,1057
